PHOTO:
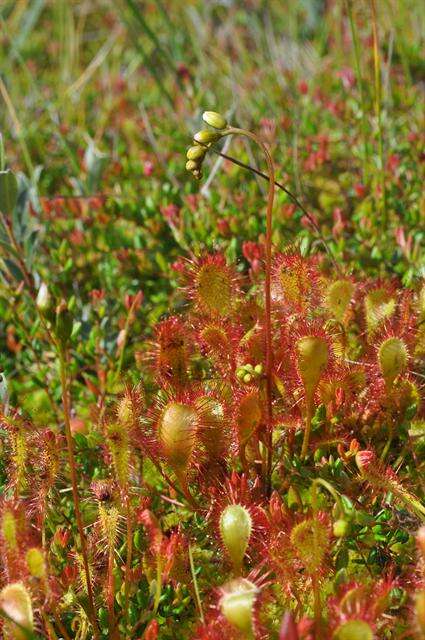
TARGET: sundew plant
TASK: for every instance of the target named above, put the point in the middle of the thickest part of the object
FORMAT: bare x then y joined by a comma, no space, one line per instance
212,336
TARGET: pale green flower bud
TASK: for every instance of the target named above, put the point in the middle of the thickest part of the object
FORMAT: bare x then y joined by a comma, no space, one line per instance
191,165
214,119
196,152
206,137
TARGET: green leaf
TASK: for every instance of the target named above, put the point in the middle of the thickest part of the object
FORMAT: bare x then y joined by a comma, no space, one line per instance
8,191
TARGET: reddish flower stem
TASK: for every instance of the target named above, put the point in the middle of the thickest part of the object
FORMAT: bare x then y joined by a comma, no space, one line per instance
267,301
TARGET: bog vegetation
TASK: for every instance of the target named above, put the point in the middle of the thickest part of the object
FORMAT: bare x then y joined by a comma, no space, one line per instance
212,320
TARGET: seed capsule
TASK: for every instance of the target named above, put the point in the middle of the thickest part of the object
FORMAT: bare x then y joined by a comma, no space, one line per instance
214,119
235,530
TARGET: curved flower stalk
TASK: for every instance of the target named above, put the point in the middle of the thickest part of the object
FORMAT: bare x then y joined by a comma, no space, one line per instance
203,140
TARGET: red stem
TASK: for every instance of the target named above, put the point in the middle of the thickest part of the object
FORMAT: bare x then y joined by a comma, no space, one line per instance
267,302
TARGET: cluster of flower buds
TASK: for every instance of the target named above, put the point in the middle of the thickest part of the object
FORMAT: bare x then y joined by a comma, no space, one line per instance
203,140
247,372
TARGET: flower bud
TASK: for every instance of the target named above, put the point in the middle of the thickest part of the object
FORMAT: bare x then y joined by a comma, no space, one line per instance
235,530
392,358
196,152
214,119
15,602
237,604
206,137
191,165
353,630
44,301
35,562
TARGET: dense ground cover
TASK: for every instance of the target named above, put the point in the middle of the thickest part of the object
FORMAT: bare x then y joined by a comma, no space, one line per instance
212,427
